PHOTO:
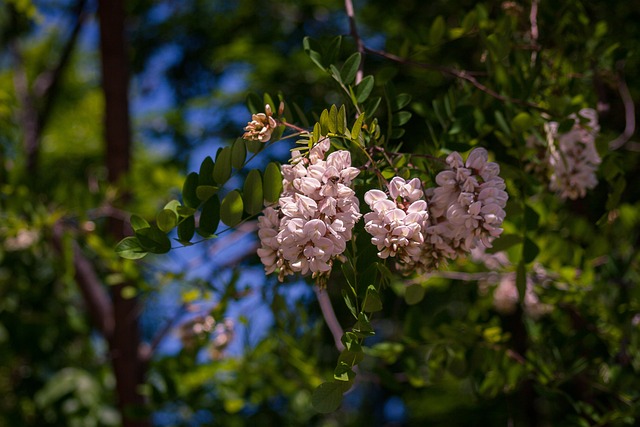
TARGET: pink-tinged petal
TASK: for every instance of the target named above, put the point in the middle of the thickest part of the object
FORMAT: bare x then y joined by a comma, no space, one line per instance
372,196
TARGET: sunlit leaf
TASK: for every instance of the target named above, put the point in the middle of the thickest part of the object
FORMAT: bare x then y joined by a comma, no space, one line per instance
204,192
238,153
205,176
138,222
167,220
372,301
272,183
130,248
231,208
252,193
222,167
189,195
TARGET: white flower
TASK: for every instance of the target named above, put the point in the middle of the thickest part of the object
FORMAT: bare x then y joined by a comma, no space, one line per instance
467,208
396,225
572,157
314,217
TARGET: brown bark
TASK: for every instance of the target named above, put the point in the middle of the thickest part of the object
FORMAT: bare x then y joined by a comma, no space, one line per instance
128,366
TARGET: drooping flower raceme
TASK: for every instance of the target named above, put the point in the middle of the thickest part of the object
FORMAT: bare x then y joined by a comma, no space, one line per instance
261,126
466,208
573,159
397,221
314,217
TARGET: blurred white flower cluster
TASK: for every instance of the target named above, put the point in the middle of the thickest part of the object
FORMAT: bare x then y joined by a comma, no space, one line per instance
314,217
572,156
463,212
204,329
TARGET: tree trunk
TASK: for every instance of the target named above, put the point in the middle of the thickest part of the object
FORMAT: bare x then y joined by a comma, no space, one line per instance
128,366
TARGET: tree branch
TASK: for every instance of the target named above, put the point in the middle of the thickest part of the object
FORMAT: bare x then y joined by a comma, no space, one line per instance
629,110
460,74
47,83
93,292
330,317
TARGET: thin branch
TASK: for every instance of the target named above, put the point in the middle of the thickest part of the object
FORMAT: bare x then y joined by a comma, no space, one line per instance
533,19
459,275
330,317
93,292
147,350
47,83
348,4
629,110
460,74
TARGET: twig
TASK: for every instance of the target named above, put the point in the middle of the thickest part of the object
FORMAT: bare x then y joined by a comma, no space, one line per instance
533,19
330,317
147,350
629,110
461,74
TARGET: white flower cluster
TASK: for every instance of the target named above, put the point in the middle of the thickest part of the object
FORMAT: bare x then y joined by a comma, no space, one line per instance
573,159
463,212
314,217
467,206
506,296
397,224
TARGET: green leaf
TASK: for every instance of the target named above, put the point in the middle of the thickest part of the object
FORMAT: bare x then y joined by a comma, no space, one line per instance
521,122
327,397
350,68
357,127
372,301
332,123
504,242
529,250
153,240
231,208
342,120
205,177
189,195
437,30
363,90
324,123
130,248
502,123
531,218
348,303
401,117
272,183
331,51
312,48
167,220
252,192
222,167
210,217
238,153
414,293
363,327
186,229
204,192
254,146
137,222
254,103
400,101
